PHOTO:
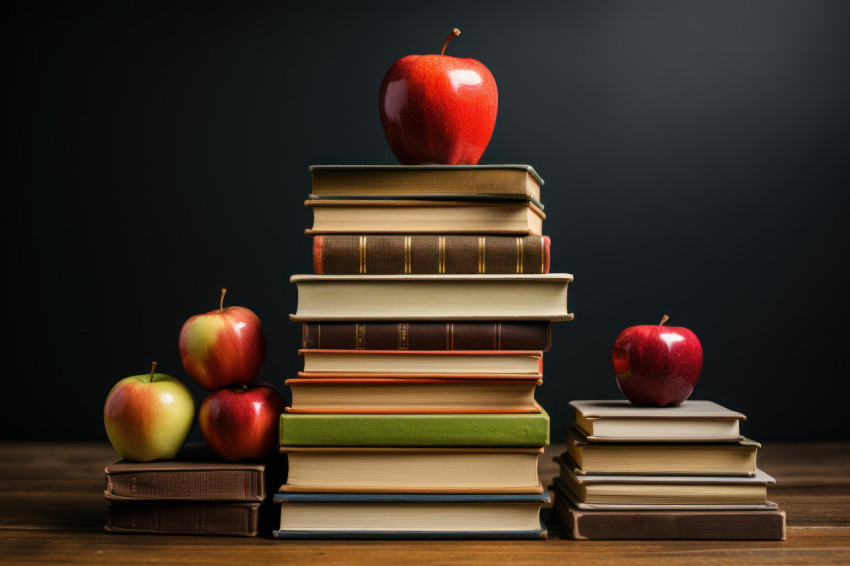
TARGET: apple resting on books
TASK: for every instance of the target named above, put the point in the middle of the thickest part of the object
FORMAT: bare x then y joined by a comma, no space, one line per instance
241,422
438,109
148,417
226,346
657,365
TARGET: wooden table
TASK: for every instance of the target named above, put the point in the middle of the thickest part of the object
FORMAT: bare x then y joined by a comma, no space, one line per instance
52,510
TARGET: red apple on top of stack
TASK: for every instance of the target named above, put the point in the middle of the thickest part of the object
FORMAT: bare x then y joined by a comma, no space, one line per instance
223,347
438,109
656,364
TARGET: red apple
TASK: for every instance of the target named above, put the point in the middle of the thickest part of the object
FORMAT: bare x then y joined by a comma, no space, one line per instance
242,422
148,417
438,109
657,365
223,347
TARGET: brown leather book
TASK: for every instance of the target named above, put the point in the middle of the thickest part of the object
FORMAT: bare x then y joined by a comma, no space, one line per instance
389,254
427,335
669,524
229,519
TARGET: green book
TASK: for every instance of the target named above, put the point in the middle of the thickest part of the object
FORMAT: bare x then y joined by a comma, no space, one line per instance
524,429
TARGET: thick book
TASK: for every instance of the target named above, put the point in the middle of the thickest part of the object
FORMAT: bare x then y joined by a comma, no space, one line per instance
388,254
425,181
511,364
403,216
474,394
665,490
410,516
186,480
431,297
486,430
529,335
692,421
720,458
338,469
186,518
767,524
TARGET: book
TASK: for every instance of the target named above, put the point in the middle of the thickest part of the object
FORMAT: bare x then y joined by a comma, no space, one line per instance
513,364
338,469
488,430
186,518
692,421
391,515
368,395
404,216
767,524
186,480
665,490
529,335
425,180
725,458
431,297
388,254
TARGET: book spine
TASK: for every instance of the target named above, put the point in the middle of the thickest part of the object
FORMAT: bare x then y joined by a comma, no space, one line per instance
427,336
429,254
530,429
233,519
174,485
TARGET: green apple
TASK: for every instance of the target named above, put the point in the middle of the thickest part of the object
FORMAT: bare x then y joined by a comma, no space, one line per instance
148,417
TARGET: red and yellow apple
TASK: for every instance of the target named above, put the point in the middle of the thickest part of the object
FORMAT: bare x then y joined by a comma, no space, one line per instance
438,109
148,417
226,346
240,423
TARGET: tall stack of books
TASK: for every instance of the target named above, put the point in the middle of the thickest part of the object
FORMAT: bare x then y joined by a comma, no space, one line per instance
424,326
662,473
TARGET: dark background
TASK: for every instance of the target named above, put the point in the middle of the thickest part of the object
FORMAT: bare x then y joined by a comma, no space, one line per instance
695,157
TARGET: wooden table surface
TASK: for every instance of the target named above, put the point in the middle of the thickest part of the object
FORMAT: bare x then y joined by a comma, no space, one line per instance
52,510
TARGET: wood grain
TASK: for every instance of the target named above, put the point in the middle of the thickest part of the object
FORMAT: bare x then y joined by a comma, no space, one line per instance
52,510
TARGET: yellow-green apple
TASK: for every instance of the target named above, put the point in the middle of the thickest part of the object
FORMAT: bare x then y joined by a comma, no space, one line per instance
148,417
223,347
241,422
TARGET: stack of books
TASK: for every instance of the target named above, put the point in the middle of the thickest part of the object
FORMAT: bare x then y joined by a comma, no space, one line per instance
188,496
424,326
662,473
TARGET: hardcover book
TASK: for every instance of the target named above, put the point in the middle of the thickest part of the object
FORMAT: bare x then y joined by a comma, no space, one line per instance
529,335
337,469
511,364
410,516
481,429
431,297
187,518
387,254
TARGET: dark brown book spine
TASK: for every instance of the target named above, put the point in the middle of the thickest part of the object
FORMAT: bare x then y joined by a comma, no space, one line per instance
186,485
426,254
233,519
426,335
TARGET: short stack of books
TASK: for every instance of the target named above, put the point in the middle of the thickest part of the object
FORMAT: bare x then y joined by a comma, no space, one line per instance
662,473
188,496
424,326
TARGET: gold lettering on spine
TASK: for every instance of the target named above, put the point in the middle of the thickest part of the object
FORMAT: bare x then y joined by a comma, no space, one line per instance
402,336
520,255
360,339
482,254
362,242
407,254
441,254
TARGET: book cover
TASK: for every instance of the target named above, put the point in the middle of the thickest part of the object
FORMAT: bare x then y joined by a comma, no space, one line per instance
187,518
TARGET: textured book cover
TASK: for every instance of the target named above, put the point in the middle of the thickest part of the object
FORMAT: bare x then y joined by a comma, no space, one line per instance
530,335
530,429
426,254
188,518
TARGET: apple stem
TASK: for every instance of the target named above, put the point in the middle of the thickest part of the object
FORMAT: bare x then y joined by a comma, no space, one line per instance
153,368
244,387
221,302
454,34
664,319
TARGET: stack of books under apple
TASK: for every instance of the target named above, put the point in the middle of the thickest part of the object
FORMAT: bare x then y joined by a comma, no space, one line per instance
424,326
682,472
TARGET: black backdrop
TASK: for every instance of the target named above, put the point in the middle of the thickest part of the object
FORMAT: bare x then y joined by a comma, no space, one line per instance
695,157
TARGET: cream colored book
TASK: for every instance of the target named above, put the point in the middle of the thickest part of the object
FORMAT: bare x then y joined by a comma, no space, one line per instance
666,490
721,458
412,470
431,297
364,216
397,363
692,421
